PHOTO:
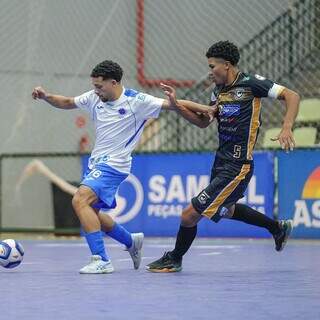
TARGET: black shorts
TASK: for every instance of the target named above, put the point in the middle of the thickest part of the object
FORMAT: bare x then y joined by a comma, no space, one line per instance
229,180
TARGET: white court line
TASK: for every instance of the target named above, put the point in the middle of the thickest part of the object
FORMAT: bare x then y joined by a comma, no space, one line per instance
210,254
54,245
129,259
114,245
195,246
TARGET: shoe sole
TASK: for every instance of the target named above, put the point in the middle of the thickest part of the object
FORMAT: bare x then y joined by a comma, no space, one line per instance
100,272
288,232
165,270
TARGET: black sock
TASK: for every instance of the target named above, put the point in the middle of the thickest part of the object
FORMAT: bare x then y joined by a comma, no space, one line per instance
184,240
251,216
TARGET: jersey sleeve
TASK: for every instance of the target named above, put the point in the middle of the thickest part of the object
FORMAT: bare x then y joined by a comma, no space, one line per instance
262,87
148,106
85,101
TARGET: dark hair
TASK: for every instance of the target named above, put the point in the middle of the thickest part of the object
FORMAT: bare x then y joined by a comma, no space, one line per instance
107,70
225,50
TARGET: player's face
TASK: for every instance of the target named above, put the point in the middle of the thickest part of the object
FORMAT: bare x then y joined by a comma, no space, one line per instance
104,89
219,70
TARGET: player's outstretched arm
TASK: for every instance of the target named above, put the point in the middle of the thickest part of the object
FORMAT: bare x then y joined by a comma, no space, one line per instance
195,113
209,111
292,100
57,101
200,120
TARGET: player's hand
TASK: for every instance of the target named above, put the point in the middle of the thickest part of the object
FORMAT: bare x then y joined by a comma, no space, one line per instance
212,112
39,93
285,139
170,92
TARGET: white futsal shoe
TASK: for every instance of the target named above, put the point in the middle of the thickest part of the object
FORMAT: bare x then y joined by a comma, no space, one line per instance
136,248
97,266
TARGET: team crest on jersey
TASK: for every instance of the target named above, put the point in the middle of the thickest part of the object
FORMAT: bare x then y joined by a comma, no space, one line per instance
122,111
238,93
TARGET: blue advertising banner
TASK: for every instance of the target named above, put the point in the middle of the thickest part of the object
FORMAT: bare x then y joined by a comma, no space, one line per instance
152,198
299,191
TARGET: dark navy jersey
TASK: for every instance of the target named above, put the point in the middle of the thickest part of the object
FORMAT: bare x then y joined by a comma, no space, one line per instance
239,106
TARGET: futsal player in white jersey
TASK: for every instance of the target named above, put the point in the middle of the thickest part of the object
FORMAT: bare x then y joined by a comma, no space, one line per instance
119,115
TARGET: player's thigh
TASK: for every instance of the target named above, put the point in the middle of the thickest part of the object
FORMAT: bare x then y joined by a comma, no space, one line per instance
225,189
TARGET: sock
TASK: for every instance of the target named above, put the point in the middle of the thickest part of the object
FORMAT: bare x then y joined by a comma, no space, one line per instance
120,234
96,244
184,240
250,216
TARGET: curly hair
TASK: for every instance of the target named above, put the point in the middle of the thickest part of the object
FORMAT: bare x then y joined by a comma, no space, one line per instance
107,70
225,50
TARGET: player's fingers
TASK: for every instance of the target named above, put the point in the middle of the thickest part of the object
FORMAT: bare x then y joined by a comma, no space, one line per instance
164,86
282,143
291,143
286,144
34,95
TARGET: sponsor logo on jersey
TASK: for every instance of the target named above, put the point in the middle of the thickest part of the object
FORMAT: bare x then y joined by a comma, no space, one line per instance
83,100
141,97
229,110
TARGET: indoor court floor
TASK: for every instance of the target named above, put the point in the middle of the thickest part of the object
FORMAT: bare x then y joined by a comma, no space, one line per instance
230,279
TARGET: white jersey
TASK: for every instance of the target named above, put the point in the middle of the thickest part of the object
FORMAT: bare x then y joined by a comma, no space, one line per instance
118,124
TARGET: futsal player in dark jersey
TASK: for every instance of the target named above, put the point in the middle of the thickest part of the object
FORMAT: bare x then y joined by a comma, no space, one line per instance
237,99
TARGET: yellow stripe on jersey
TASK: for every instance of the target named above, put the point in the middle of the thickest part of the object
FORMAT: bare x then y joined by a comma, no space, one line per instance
254,126
225,193
225,97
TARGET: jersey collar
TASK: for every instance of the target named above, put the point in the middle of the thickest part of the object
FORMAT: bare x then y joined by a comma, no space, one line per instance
234,81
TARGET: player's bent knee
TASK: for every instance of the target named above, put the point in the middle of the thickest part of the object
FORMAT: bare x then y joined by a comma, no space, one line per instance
224,213
229,212
189,217
77,202
83,197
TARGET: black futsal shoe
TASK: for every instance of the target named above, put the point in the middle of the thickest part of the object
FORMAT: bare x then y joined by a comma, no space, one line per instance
165,264
282,236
